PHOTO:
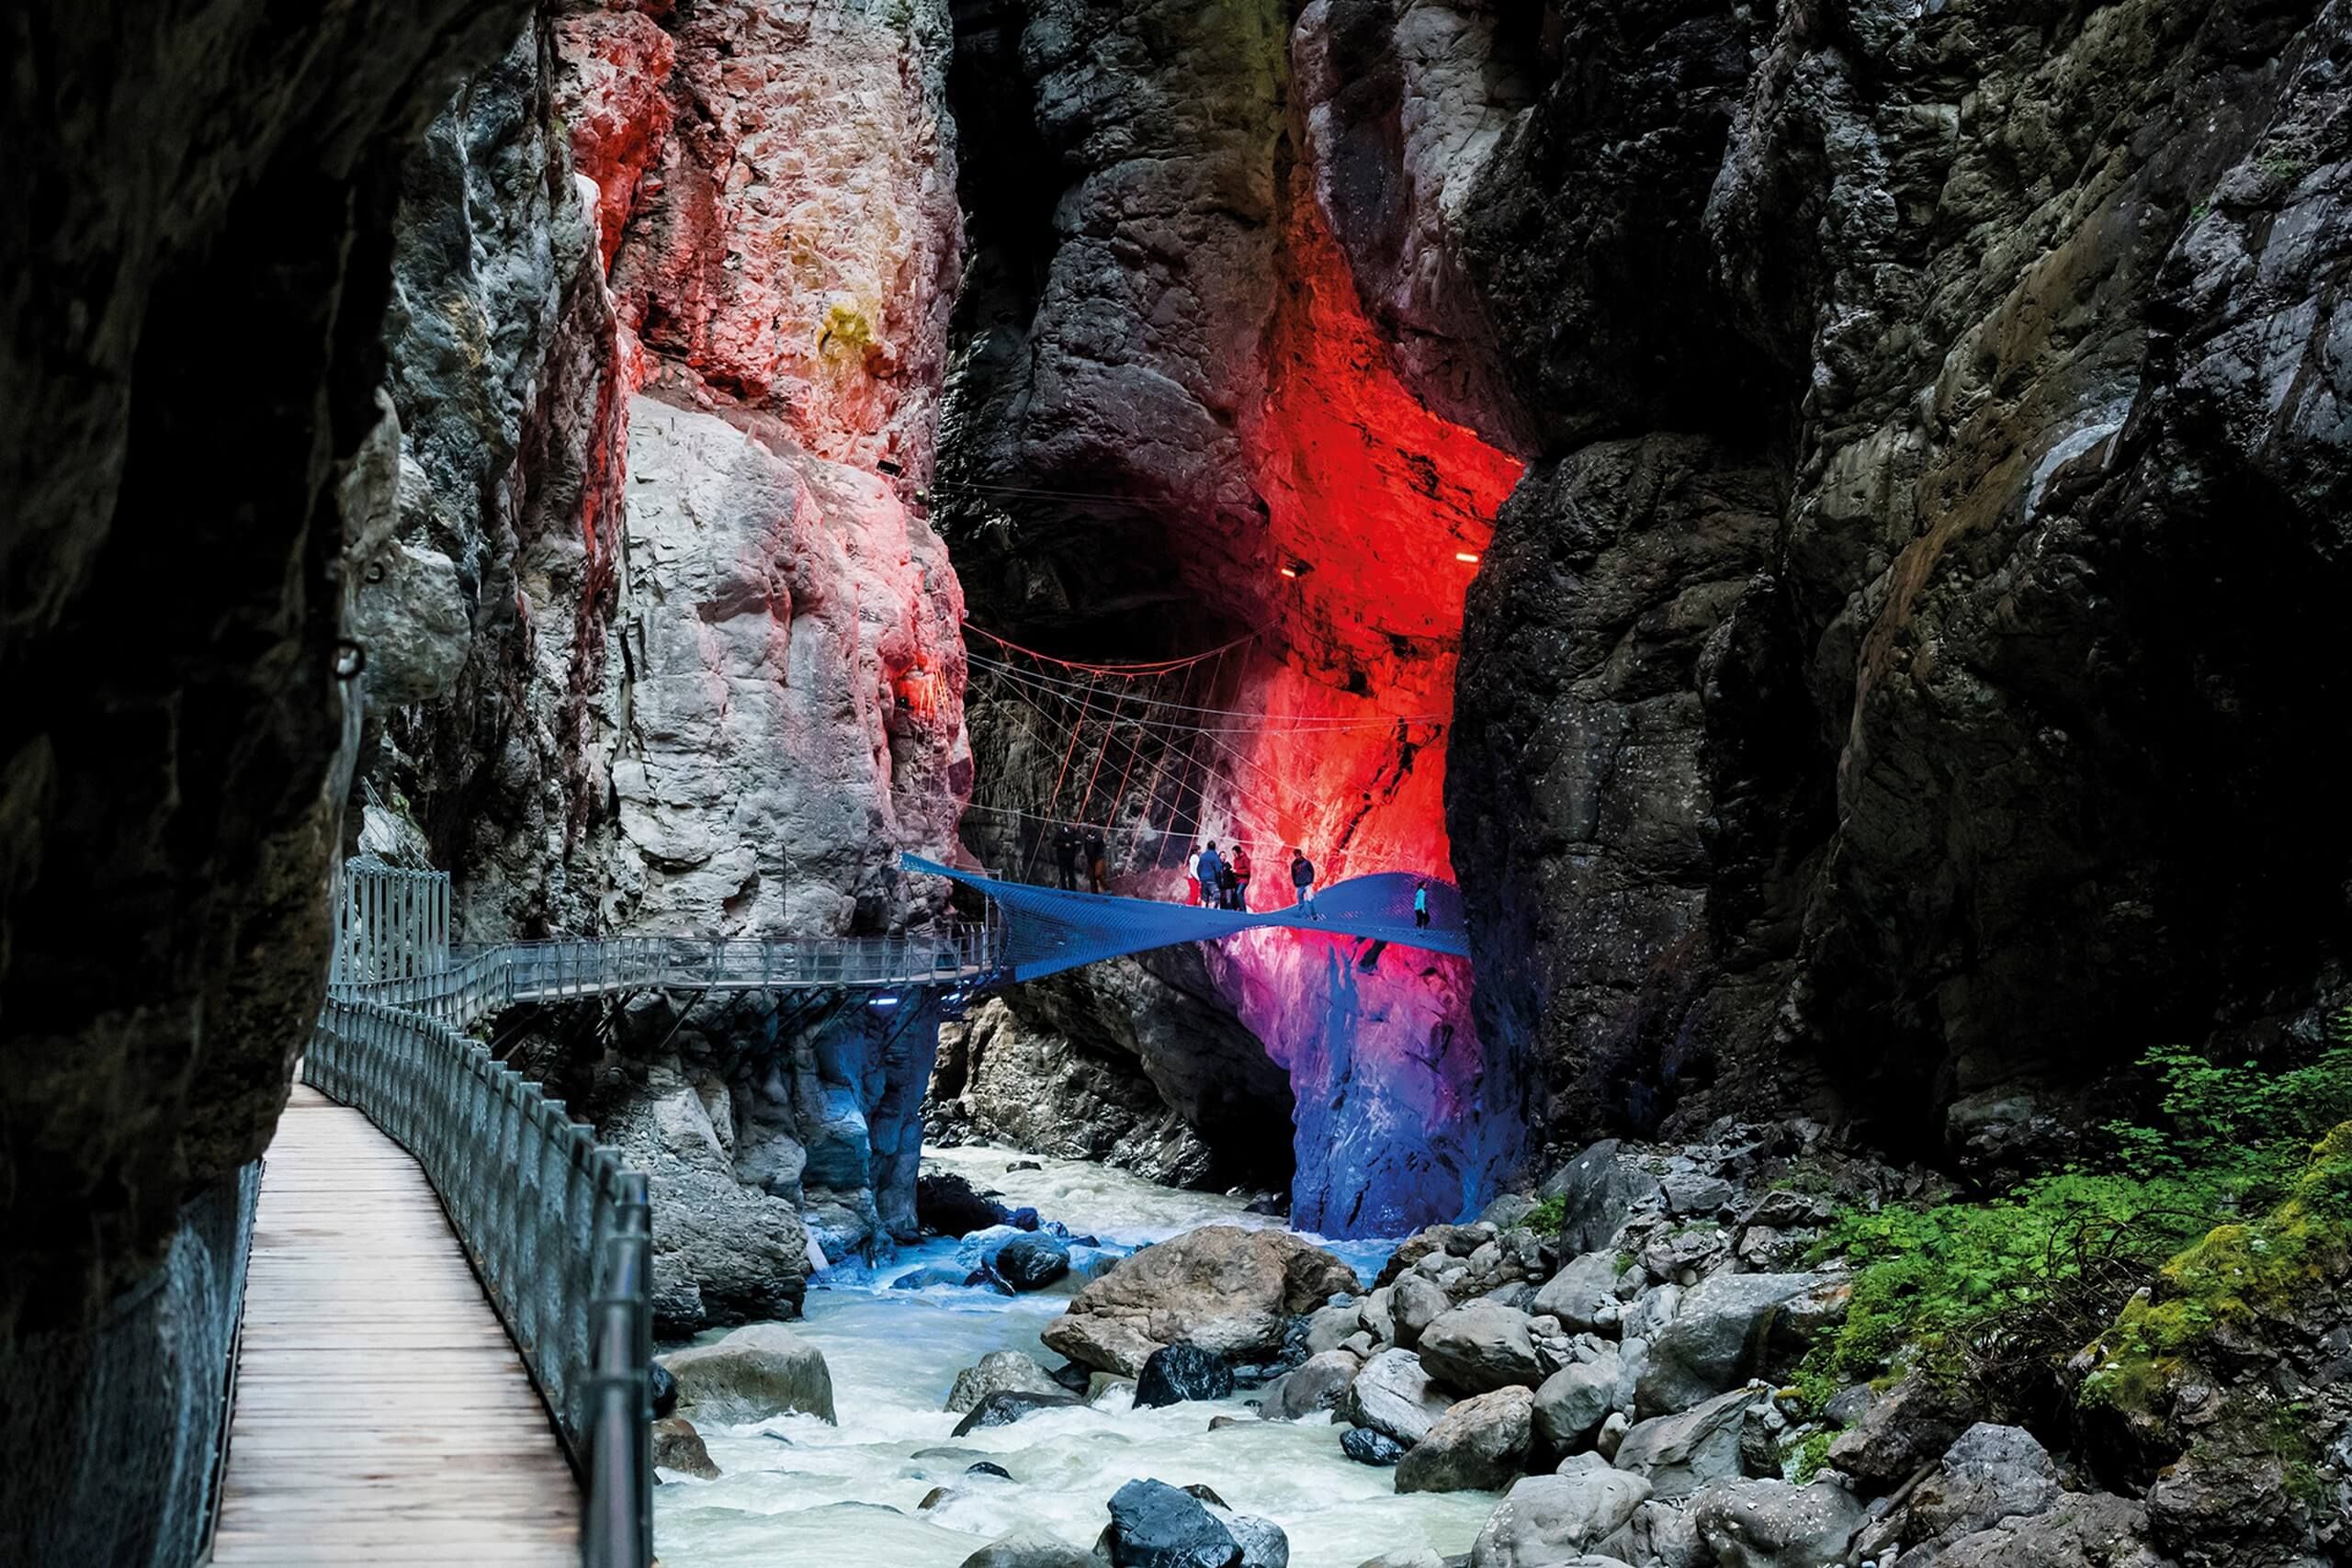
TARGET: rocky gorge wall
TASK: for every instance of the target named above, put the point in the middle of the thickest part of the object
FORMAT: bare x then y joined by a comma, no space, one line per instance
658,644
1888,690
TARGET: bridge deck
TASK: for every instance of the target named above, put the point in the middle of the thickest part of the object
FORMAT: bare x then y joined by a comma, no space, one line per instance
382,1415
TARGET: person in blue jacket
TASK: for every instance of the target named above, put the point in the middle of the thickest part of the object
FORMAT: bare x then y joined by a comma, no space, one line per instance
1205,870
1421,905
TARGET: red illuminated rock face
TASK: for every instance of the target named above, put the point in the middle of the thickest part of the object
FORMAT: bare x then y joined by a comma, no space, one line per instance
665,647
1289,481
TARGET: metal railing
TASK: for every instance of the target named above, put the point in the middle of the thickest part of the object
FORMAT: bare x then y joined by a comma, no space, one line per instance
557,1227
475,982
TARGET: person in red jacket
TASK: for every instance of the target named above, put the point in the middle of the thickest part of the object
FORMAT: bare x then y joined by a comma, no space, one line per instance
1241,877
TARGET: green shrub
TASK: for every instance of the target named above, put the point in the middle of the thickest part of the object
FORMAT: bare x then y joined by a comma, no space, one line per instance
1812,1458
1548,1216
1997,1295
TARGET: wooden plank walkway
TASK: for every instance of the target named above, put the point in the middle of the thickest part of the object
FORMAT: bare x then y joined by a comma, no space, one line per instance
382,1415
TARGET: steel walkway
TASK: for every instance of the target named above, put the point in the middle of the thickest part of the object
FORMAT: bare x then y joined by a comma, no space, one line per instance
382,1414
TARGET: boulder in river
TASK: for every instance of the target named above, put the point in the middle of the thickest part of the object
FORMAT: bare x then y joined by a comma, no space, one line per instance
755,1372
1028,1549
1032,1262
1174,1373
677,1446
1365,1446
1154,1524
947,1205
999,1372
1478,1446
664,1389
1320,1384
1005,1407
1583,1295
1572,1403
1392,1395
1230,1290
1480,1347
1414,1302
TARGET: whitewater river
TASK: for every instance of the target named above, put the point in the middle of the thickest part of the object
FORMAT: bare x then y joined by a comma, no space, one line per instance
847,1495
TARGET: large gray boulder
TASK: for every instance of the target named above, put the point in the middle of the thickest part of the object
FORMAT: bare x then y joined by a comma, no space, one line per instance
1225,1289
1318,1384
1154,1524
755,1372
1478,1446
1572,1403
1583,1295
1392,1397
1718,1338
1916,1421
1547,1521
999,1372
1599,1189
1771,1524
1992,1474
1660,1535
1481,1346
2080,1530
1414,1301
1684,1454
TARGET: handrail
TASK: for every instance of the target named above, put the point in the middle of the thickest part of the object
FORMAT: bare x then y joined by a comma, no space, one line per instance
556,1226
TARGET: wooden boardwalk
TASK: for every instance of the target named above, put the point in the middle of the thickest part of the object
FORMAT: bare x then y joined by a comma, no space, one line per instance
382,1415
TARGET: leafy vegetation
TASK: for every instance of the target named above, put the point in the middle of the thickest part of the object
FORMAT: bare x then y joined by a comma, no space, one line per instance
1548,1216
1812,1457
1997,1295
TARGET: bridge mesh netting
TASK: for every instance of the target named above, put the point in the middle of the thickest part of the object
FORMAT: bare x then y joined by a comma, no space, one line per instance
1047,929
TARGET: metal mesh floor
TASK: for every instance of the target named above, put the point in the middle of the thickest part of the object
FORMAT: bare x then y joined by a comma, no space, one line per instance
1048,929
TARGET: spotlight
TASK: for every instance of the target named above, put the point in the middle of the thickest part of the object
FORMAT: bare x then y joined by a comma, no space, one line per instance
1295,568
883,1002
1467,558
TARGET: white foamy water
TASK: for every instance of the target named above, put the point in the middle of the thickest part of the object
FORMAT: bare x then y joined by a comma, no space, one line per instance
848,1494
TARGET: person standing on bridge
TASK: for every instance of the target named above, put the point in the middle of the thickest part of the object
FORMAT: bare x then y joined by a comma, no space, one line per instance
1421,905
1241,877
1066,855
1207,869
1301,880
1098,870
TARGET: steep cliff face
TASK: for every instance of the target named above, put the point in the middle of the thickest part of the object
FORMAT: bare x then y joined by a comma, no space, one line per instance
660,646
193,242
1891,688
1209,388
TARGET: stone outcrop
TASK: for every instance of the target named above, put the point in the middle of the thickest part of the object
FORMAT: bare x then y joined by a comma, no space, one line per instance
753,1373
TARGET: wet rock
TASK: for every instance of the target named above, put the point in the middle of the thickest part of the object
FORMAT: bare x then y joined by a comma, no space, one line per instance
1262,1542
1392,1395
1175,1373
1771,1524
1405,1557
1719,1336
1073,1377
1600,1189
1480,1345
1329,1327
753,1373
1683,1453
1005,1407
677,1446
1227,1290
933,1275
1028,1549
664,1388
988,1467
1320,1384
1916,1421
1477,1445
1000,1371
1583,1295
1551,1520
1438,1242
1154,1524
1660,1535
948,1204
1572,1403
1031,1262
1366,1446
